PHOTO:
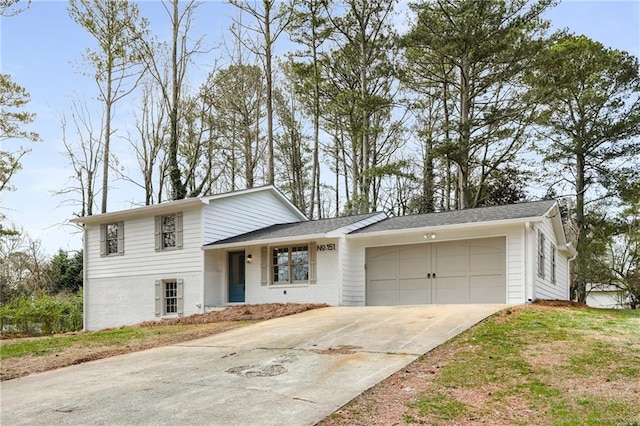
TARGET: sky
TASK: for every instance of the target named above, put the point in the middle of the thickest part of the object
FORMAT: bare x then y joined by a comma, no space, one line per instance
41,49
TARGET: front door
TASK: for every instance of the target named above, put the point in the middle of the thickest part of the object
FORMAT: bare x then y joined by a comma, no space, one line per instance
236,276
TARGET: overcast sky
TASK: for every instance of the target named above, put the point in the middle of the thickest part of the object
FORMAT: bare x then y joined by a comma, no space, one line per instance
41,48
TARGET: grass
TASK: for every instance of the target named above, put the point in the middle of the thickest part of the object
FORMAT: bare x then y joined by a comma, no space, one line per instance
542,365
58,343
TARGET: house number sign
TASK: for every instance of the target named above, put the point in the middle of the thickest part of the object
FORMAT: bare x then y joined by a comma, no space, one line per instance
326,247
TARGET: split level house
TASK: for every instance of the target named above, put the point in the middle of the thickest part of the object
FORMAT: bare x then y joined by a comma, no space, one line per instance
254,246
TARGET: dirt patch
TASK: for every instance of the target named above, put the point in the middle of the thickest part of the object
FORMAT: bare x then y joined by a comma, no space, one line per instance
559,303
208,324
242,313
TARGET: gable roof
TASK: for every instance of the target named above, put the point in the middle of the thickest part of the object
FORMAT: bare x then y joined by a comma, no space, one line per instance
317,228
176,205
520,212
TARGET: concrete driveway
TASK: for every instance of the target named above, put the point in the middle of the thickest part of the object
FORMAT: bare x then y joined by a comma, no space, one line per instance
288,371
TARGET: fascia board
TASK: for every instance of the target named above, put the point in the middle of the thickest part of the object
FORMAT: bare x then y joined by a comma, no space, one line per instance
154,209
457,226
267,242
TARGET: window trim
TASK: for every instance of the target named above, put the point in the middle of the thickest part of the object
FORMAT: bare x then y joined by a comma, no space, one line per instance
267,271
541,253
104,240
160,297
159,240
553,262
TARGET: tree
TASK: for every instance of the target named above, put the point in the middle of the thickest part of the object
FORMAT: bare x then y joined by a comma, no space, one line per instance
168,67
292,145
590,99
270,23
309,28
7,7
360,83
474,54
84,150
116,26
12,120
149,142
237,98
64,273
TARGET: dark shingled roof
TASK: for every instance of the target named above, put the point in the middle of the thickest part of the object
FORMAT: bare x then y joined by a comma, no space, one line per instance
295,229
452,217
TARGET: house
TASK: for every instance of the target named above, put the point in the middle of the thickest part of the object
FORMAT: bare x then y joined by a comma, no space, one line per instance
605,296
254,246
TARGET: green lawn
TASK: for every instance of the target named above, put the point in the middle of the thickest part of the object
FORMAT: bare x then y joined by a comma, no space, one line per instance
540,365
111,338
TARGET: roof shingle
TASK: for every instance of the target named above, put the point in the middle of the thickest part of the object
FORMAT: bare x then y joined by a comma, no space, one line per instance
453,217
295,229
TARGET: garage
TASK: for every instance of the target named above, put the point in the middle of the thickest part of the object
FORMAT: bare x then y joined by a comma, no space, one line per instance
465,271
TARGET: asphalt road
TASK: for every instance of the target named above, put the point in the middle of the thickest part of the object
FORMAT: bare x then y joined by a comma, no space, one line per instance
294,370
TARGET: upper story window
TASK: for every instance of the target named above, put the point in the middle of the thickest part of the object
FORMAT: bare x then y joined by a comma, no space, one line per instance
112,239
541,254
168,231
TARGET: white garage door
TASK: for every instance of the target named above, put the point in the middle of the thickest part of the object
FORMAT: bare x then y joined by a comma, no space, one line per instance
468,271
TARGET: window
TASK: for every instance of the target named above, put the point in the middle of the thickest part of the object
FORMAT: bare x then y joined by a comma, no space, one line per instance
541,256
112,239
290,264
168,231
553,263
169,300
171,297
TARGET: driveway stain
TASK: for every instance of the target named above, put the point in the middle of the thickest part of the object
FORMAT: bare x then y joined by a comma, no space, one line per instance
342,349
273,367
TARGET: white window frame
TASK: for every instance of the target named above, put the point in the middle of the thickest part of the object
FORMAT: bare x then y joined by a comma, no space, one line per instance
160,232
541,253
105,239
162,297
267,266
552,261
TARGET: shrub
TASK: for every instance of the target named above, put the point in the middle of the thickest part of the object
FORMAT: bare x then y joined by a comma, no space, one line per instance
42,315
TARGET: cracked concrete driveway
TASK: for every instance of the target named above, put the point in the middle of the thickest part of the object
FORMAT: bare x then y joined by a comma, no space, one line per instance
288,371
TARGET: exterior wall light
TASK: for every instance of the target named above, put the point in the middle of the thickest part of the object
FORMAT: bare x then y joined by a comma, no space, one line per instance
249,258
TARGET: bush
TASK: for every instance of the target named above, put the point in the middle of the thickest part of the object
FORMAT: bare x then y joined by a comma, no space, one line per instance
43,315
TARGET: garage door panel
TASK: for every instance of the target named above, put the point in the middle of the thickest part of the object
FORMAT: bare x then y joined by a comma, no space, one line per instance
413,267
486,262
467,271
451,258
451,290
383,292
384,269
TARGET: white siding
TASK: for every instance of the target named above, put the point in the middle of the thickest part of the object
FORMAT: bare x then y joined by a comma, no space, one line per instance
140,257
543,287
226,217
125,300
326,289
353,252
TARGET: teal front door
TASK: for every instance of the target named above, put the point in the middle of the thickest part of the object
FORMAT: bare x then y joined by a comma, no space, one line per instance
236,276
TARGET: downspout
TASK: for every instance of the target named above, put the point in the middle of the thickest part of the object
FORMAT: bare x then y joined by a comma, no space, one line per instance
85,275
571,259
528,290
